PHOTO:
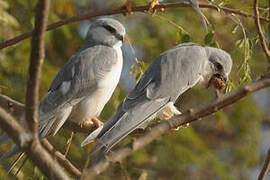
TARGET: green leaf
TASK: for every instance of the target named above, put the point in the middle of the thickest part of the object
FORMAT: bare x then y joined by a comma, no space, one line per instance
208,38
185,38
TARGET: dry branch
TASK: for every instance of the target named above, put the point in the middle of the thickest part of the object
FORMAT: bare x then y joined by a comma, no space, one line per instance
61,159
28,140
34,71
191,115
266,167
260,32
32,148
74,19
16,109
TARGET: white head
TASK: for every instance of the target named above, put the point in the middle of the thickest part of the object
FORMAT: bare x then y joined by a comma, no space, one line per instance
106,31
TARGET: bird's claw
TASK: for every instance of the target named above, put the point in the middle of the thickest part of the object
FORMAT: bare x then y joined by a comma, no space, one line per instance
86,123
167,116
97,122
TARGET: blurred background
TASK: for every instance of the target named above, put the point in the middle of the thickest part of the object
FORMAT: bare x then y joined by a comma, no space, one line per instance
228,145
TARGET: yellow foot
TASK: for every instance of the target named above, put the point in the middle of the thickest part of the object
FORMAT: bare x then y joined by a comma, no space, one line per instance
166,116
97,122
127,6
86,123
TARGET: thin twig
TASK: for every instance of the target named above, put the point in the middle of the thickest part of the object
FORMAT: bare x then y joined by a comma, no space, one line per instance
68,144
191,115
74,19
61,159
260,32
266,167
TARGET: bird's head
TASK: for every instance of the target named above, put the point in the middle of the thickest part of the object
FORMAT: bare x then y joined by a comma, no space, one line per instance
106,31
220,64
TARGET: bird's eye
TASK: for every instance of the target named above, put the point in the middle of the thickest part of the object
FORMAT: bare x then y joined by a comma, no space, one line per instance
219,67
109,28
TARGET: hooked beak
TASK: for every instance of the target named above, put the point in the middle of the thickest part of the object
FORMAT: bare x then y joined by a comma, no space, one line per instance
225,78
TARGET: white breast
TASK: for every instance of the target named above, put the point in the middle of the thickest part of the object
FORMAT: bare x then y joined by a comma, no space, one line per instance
93,104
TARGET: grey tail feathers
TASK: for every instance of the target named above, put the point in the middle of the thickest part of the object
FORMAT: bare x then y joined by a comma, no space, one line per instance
15,162
21,166
101,154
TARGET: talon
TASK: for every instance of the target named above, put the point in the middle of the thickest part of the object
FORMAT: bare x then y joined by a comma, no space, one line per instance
97,122
166,116
86,123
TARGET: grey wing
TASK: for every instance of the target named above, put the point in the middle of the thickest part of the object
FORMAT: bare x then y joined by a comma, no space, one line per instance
128,122
138,106
79,77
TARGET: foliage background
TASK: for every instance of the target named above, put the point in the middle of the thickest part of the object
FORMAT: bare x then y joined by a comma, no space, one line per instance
227,145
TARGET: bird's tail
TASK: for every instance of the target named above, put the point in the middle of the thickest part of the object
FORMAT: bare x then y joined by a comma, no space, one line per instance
126,123
10,153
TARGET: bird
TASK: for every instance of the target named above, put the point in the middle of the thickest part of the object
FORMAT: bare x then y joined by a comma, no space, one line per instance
85,83
170,75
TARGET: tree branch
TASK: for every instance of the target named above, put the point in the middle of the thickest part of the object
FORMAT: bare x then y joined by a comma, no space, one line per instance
74,19
266,167
33,149
61,159
16,109
190,115
37,55
260,32
28,141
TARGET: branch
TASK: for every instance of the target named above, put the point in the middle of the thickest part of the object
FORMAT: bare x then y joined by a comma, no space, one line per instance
266,167
33,149
74,19
260,32
37,55
16,109
61,159
191,115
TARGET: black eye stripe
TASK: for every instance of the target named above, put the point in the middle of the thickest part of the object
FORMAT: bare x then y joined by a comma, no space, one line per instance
110,28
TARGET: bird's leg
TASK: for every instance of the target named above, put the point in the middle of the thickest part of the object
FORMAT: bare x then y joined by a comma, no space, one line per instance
127,6
97,122
169,112
86,122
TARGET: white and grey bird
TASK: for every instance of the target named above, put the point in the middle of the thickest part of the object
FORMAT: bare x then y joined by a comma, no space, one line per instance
171,74
85,83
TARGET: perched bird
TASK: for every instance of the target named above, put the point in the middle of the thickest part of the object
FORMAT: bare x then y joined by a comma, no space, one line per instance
171,74
85,83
